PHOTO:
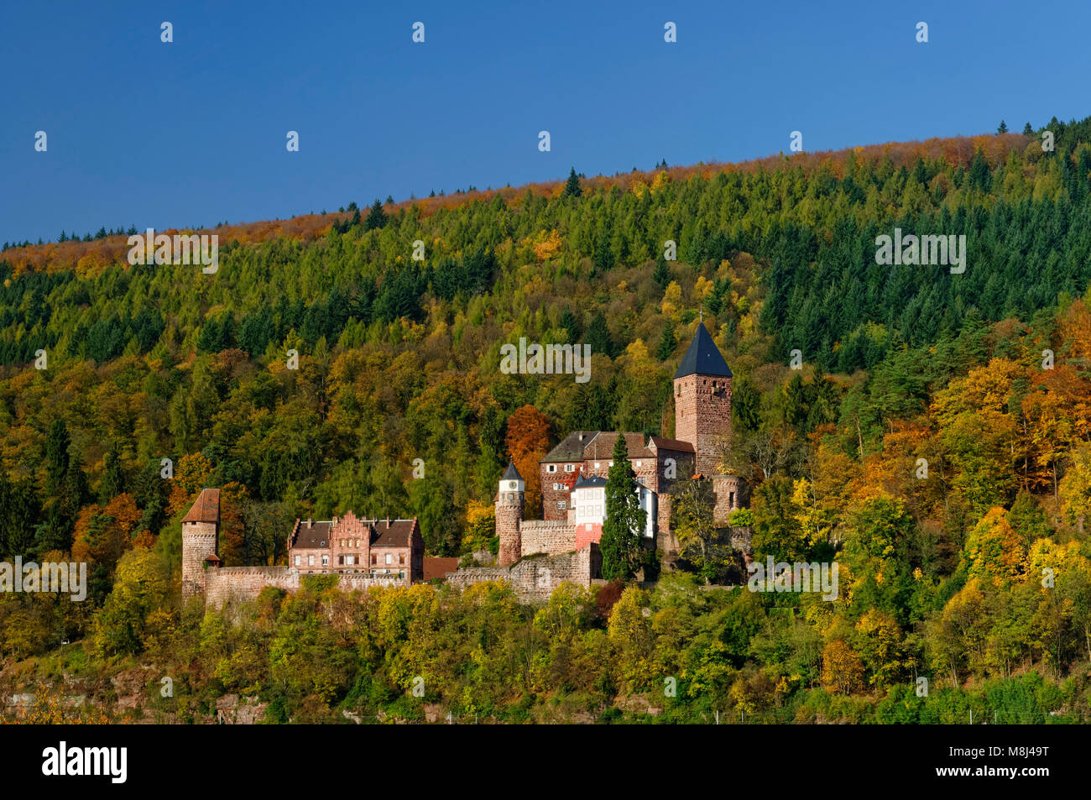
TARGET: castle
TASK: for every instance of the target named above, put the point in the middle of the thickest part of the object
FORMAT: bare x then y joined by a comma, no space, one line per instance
361,552
573,473
535,556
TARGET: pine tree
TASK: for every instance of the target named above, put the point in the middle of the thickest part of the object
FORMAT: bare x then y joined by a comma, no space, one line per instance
56,458
662,274
376,217
598,336
1028,130
572,185
625,519
667,343
113,478
1003,127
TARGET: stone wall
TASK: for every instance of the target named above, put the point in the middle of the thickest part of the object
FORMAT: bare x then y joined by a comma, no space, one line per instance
542,536
534,578
226,584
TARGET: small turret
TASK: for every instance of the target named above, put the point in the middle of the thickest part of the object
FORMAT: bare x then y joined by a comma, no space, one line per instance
509,515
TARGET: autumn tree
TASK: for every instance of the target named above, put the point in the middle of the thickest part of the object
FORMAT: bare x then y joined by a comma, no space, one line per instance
527,441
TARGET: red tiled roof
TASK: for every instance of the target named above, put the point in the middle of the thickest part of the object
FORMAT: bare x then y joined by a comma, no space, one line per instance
672,444
206,509
435,567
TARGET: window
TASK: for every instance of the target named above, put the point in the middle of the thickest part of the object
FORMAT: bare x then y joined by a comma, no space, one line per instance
401,558
569,467
562,505
611,463
325,561
310,561
551,468
389,558
556,487
597,465
355,542
341,561
298,559
730,499
350,560
638,465
373,558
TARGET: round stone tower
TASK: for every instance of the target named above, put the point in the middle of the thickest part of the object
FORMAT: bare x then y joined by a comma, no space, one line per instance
509,516
200,531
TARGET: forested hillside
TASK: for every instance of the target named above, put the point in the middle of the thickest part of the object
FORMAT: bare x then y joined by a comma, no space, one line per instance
943,571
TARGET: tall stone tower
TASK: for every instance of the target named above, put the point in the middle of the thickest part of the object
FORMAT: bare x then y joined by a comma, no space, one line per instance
702,401
509,516
200,532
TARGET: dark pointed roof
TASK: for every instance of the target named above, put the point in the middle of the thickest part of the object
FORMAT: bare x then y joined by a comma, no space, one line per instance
593,480
703,357
512,474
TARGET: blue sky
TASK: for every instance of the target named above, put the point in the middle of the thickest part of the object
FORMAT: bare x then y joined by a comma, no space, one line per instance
193,132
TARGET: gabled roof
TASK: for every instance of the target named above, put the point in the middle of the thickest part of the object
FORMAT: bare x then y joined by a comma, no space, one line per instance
703,357
676,445
206,508
511,473
394,532
571,447
602,446
316,534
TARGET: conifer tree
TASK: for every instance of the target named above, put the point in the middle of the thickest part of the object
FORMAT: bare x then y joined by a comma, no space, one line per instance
625,519
376,217
667,343
572,185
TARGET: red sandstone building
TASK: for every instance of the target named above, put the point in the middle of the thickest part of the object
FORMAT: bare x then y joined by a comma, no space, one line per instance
573,473
349,544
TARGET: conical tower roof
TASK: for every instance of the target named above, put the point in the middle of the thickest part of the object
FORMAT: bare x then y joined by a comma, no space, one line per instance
703,357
